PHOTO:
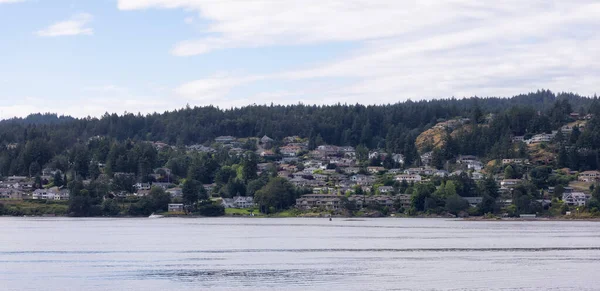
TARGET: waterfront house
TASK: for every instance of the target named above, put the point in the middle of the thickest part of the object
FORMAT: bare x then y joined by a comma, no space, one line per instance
327,201
175,207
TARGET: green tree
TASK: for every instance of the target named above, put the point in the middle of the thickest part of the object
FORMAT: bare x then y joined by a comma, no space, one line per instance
455,204
278,194
58,179
193,191
249,166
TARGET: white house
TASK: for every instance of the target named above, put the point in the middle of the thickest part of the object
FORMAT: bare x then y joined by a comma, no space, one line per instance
575,198
409,178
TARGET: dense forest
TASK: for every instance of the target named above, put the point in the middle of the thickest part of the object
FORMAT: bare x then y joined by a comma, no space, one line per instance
41,139
115,146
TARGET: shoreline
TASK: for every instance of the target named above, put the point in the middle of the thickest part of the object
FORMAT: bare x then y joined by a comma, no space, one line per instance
345,218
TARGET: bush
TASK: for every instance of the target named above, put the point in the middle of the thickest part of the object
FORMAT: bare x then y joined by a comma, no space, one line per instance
211,209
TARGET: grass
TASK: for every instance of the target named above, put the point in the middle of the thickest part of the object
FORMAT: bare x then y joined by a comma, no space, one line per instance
33,207
241,212
580,186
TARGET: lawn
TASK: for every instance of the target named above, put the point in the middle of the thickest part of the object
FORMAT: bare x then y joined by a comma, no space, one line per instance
242,212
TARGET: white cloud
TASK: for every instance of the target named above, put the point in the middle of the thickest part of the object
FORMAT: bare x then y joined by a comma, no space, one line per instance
76,25
10,1
406,49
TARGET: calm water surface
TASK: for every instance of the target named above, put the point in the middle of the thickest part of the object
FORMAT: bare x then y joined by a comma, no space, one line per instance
296,254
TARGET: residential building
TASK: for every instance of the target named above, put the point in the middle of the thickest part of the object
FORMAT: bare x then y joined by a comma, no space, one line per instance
514,161
375,170
405,200
409,178
175,207
510,182
53,193
427,158
398,158
175,192
466,159
575,198
386,189
589,176
7,193
243,202
473,201
225,139
328,201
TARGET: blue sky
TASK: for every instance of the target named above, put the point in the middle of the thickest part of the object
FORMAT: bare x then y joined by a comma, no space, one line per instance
89,57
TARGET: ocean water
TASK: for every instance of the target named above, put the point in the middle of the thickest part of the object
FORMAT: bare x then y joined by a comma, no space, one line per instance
297,254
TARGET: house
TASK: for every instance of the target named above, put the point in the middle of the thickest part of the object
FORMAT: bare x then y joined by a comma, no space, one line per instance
514,161
476,165
409,178
266,140
441,173
466,159
539,138
386,189
405,200
142,192
519,138
328,201
510,182
420,171
427,158
7,193
477,176
575,198
396,171
362,180
164,186
375,170
175,207
290,151
225,139
174,192
589,176
209,187
16,179
473,201
267,154
351,170
142,186
320,177
243,202
328,150
398,158
53,193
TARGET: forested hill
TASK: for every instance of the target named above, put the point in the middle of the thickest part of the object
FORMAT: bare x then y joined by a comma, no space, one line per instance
393,128
336,124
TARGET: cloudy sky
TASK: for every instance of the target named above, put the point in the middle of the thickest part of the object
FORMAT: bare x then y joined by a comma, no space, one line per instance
89,57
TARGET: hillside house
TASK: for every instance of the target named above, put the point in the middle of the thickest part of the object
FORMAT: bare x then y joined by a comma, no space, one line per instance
409,178
328,201
575,198
385,189
510,182
225,139
589,176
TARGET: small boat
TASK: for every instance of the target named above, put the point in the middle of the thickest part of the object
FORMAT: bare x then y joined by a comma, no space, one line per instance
155,216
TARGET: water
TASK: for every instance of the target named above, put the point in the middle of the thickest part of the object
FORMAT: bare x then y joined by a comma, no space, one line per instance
296,254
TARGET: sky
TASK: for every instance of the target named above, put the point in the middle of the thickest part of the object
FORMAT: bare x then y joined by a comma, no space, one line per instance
85,58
